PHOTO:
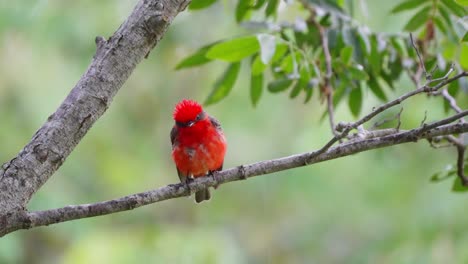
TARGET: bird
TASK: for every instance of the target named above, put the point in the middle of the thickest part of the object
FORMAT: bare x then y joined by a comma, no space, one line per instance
198,144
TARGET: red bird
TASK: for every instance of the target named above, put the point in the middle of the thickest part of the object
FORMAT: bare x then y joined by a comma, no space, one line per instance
198,144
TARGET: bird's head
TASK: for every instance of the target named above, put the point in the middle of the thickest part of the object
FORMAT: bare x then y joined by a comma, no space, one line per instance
187,113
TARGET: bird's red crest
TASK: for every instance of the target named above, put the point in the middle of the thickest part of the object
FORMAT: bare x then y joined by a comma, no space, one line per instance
186,110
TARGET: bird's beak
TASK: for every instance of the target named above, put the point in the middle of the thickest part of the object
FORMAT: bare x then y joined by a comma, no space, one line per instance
191,123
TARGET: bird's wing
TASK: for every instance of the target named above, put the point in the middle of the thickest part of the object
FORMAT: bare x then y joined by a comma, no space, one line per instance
215,123
173,136
182,177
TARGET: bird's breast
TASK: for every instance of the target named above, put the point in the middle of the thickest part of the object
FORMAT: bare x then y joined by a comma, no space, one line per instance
196,154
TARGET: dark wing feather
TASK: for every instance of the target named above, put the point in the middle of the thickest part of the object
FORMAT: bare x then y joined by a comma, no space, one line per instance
182,177
173,136
215,123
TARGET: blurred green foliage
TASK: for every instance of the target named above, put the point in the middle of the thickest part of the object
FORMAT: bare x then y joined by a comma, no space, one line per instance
375,207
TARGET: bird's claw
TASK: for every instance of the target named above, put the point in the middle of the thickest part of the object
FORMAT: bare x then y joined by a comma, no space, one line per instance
188,180
213,174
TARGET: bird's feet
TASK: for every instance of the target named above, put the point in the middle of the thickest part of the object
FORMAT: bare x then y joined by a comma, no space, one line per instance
214,175
188,180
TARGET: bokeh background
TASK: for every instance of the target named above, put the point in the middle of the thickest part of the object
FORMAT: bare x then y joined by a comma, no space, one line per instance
374,207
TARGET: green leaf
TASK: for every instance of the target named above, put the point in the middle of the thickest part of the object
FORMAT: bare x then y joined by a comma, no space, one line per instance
440,25
444,12
399,46
287,65
309,89
377,89
346,53
235,49
464,56
351,38
458,186
257,66
243,10
356,72
339,93
279,85
258,4
363,39
455,8
449,51
296,90
465,37
196,59
408,5
328,5
224,85
374,56
289,35
395,69
387,77
256,87
301,84
418,19
200,4
355,101
271,8
267,47
325,20
462,2
443,175
281,49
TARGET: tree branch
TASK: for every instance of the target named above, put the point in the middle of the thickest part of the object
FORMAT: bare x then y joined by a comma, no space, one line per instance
26,220
345,128
112,64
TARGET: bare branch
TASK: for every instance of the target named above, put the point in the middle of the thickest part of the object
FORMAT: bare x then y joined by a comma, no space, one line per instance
421,62
112,64
345,128
26,220
423,121
452,102
443,77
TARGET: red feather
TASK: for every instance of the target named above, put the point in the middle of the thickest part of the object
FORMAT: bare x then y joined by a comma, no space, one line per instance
186,110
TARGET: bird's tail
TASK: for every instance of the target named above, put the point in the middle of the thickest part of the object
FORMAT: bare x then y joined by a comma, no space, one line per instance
203,195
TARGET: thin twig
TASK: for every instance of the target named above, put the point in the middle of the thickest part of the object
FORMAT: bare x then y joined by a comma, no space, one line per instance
421,62
424,119
443,77
345,128
452,102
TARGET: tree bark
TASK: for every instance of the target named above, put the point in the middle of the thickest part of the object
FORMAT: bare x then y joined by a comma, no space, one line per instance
112,64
